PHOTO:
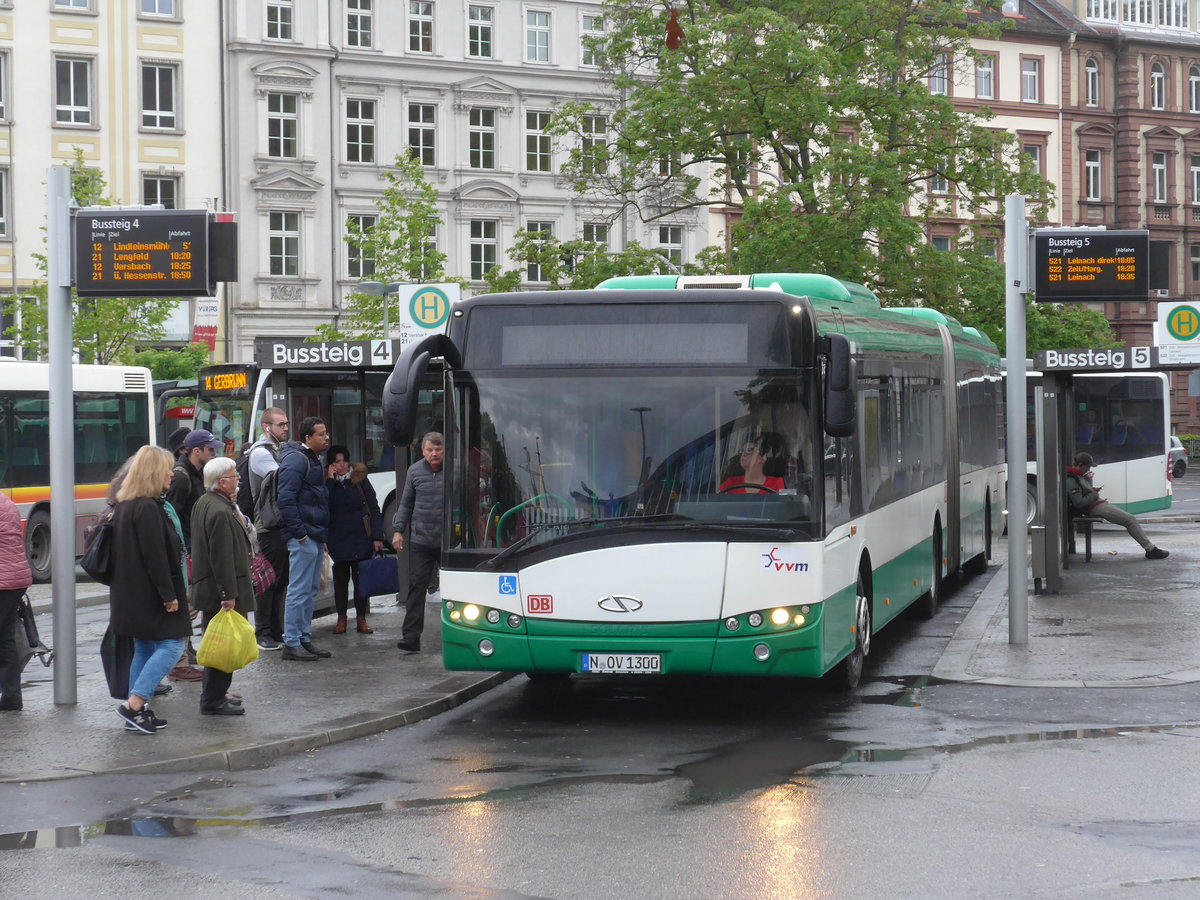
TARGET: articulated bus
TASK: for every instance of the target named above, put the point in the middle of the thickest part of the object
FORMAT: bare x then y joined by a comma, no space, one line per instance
745,475
1123,420
113,415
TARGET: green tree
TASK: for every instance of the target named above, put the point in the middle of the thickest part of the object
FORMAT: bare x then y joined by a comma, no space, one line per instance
105,330
173,365
831,94
401,245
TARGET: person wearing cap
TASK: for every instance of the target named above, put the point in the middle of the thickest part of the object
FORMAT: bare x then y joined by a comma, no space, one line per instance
1085,500
175,441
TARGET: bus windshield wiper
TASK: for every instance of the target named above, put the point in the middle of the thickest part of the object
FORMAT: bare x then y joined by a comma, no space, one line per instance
537,529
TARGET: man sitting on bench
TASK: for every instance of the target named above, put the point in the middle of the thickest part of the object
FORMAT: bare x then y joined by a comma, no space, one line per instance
1085,500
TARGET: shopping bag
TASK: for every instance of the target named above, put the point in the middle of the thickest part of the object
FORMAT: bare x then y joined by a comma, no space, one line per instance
262,574
228,643
378,575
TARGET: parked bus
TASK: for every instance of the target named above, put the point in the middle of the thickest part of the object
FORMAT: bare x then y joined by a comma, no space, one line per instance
174,406
1123,420
113,416
340,381
747,475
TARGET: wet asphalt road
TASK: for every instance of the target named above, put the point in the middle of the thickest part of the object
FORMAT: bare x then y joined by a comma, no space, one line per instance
670,788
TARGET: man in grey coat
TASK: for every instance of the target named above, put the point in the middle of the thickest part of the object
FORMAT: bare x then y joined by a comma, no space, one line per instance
421,506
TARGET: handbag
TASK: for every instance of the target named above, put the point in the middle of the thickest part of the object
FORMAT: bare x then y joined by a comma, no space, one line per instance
116,656
366,516
97,547
29,643
262,573
378,575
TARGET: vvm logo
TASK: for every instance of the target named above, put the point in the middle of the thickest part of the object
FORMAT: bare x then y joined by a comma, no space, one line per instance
774,562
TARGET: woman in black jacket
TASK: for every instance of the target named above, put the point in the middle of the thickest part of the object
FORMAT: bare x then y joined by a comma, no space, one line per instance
147,597
221,550
355,533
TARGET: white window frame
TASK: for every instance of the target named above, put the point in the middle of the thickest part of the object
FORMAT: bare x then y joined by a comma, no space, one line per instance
597,233
283,238
1104,10
160,113
939,75
81,70
1194,89
593,43
279,16
938,182
595,134
1158,170
158,9
484,246
537,35
4,230
670,243
420,26
1173,13
941,242
985,77
1034,152
533,269
360,24
1137,12
158,181
3,85
85,5
283,125
1031,79
1158,86
481,31
1093,175
481,137
1195,253
358,264
361,126
538,145
1091,82
422,132
1195,173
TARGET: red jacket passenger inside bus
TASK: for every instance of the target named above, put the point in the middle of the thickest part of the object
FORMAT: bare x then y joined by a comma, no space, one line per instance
758,456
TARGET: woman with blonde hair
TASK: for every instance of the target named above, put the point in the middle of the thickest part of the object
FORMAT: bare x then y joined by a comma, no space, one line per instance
147,597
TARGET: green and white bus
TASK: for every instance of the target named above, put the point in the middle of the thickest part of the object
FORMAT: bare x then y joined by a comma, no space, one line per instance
746,475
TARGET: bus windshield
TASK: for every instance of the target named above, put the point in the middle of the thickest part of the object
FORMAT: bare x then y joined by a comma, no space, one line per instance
539,449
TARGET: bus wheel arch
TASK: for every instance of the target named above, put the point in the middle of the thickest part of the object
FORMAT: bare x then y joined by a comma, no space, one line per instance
847,674
37,544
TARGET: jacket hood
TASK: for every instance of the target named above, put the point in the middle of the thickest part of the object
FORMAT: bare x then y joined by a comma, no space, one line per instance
358,473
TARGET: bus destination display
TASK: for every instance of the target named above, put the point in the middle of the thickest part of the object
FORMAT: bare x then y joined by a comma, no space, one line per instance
1088,265
141,253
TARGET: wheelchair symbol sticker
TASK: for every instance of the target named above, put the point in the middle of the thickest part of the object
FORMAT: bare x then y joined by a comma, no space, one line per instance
508,584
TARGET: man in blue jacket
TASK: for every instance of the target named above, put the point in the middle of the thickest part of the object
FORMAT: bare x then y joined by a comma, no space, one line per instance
304,522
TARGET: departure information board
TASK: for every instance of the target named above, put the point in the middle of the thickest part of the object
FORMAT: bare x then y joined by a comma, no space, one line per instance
141,253
1090,264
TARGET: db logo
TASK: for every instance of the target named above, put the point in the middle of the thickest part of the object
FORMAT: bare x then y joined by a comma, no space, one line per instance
542,604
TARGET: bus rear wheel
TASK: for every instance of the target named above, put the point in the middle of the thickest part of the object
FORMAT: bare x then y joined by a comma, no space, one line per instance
37,545
927,604
846,675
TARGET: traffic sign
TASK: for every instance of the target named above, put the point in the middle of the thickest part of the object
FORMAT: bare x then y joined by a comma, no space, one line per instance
1090,264
425,309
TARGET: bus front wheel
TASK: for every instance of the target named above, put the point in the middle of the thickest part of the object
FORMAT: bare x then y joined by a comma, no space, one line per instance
846,675
37,545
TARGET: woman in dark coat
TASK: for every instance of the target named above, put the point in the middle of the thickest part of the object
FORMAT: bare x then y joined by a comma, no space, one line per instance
147,597
222,546
355,533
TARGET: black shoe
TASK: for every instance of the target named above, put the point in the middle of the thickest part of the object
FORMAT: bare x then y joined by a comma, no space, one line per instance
225,709
265,642
163,689
290,652
159,724
11,706
140,718
312,648
191,652
1157,553
409,646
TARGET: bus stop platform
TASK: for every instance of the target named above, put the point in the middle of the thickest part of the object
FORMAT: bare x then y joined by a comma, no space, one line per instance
1120,620
368,686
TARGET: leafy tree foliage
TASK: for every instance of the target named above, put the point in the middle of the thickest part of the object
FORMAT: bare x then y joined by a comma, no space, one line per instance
819,118
106,330
173,365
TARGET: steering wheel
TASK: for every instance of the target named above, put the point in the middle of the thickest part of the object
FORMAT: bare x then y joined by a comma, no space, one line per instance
737,487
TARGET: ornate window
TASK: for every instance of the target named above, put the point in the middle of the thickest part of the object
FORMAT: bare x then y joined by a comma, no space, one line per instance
1091,82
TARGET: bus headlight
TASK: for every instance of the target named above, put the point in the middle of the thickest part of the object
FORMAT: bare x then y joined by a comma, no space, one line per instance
514,621
732,624
493,616
780,616
755,620
470,612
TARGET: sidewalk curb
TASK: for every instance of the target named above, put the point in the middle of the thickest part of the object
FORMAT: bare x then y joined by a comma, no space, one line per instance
446,695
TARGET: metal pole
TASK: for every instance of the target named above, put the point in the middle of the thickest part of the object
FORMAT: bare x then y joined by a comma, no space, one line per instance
1016,245
62,439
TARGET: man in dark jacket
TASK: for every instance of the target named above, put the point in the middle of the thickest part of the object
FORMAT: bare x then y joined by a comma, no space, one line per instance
1085,500
264,457
420,505
304,522
187,478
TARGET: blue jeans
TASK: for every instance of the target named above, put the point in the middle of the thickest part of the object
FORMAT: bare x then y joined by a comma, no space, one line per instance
304,578
152,660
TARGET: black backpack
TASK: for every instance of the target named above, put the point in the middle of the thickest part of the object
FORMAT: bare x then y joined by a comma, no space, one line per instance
266,507
245,496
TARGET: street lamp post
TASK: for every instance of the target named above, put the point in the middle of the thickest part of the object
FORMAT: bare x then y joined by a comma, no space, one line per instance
379,289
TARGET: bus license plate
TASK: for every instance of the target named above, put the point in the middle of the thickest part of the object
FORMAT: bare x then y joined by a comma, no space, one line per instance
623,663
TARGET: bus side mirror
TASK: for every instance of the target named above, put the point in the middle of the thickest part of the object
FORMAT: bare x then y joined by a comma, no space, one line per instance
403,387
840,412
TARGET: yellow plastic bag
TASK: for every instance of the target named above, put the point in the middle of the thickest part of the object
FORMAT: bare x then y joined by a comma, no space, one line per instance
228,643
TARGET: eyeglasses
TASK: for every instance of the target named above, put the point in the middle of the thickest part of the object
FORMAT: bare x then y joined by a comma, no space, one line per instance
749,451
279,424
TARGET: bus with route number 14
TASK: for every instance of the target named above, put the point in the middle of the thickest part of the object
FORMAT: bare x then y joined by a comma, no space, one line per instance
744,475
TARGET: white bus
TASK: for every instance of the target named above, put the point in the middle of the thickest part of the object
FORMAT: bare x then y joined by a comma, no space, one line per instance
745,475
113,415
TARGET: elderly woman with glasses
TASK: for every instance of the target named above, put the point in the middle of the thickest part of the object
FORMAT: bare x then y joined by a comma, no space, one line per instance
222,546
